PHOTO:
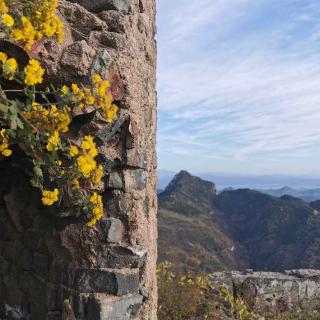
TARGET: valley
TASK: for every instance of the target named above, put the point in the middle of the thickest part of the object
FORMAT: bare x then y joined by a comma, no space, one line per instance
203,230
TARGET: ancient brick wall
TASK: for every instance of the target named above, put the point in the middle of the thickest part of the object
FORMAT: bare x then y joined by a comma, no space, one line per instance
51,265
273,293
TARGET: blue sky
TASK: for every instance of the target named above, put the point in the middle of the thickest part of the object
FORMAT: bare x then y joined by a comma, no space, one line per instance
239,86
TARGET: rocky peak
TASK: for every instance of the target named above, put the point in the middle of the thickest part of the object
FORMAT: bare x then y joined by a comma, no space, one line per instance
186,183
188,194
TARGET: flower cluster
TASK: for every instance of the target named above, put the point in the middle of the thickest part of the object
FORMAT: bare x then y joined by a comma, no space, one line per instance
86,162
49,118
40,22
50,24
43,133
34,73
4,146
65,170
50,197
97,210
98,96
8,66
53,142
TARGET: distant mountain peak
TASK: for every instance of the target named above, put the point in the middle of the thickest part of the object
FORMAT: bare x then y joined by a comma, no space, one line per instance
184,181
195,194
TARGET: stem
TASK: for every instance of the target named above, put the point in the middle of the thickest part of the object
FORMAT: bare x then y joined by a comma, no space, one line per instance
22,90
28,122
12,90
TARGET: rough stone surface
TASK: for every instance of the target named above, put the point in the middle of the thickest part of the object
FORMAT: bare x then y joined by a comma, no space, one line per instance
50,263
101,63
100,5
112,230
135,179
115,180
137,158
77,58
102,307
121,257
116,282
271,293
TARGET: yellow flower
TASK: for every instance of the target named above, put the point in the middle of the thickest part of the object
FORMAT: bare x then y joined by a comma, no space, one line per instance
86,164
28,34
105,83
75,88
65,120
17,35
75,183
7,20
97,210
102,88
11,65
97,176
54,112
48,29
65,89
96,78
96,199
53,142
50,197
89,146
73,151
7,153
3,7
81,95
3,57
90,100
34,72
111,113
87,143
4,146
59,163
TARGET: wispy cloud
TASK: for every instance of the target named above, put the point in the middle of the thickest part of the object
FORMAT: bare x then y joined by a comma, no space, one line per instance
240,82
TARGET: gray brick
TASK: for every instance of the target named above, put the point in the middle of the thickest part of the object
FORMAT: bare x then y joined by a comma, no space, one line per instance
109,281
104,307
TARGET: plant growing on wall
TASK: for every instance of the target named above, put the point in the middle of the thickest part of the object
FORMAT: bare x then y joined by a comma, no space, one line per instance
66,171
186,296
237,306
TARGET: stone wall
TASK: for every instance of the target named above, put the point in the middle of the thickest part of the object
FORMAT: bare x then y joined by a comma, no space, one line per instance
273,293
52,266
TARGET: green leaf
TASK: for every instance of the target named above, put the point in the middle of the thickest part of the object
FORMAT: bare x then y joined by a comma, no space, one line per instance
3,108
13,107
20,123
38,172
12,134
244,314
13,123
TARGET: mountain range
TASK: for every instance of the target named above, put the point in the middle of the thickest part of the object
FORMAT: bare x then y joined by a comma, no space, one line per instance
304,187
307,195
200,229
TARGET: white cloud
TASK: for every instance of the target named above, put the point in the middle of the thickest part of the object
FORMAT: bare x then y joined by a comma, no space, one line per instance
250,93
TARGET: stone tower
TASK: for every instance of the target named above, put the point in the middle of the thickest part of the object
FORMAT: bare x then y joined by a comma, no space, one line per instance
51,265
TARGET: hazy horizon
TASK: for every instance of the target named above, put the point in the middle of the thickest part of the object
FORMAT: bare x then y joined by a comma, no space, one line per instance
238,85
225,180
